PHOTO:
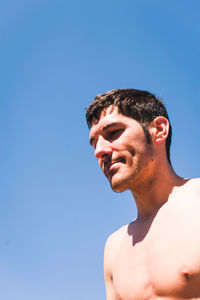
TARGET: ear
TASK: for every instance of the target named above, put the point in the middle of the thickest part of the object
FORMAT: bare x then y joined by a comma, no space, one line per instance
159,128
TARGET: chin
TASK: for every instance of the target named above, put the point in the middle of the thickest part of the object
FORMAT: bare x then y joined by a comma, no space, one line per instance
119,186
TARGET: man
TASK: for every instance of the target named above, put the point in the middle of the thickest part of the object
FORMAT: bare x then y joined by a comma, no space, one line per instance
157,256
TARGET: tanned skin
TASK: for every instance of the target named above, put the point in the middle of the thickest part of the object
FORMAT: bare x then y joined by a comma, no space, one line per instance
157,256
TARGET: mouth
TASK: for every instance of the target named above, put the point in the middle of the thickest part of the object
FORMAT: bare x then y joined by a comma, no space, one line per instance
110,167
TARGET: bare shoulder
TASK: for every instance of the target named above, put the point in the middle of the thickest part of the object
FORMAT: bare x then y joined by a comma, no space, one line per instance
189,194
193,186
115,238
195,182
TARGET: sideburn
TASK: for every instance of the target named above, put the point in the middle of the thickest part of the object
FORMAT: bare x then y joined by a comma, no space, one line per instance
146,132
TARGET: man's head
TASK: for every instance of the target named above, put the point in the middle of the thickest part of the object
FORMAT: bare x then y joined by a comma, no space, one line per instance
142,106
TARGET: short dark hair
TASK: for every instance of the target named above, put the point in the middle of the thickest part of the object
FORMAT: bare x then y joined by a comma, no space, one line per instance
142,106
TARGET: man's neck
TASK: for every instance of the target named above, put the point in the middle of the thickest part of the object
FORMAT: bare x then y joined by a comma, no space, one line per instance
152,194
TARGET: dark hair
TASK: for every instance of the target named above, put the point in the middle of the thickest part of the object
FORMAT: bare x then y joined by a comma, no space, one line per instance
142,106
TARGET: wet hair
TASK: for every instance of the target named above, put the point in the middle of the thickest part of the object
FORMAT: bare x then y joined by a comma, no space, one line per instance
142,106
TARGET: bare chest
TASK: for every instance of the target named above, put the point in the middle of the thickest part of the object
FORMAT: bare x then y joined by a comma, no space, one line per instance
165,263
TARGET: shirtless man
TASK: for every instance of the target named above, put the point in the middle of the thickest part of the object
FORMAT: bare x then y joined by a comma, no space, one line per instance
157,256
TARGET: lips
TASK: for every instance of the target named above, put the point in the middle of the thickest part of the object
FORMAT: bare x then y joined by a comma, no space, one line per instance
110,166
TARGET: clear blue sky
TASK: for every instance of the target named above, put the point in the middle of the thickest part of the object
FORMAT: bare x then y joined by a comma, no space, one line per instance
56,207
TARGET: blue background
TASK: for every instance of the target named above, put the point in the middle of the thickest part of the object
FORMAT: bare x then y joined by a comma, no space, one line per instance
56,208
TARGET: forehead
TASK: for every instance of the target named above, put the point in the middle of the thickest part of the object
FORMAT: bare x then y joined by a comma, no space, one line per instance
108,115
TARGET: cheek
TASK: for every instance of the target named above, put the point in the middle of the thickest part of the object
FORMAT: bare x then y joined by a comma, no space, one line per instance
100,162
131,151
135,147
136,150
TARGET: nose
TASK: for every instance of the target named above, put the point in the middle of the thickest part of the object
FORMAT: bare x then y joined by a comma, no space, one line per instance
103,148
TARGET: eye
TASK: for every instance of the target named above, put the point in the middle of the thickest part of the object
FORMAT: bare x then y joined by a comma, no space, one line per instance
114,134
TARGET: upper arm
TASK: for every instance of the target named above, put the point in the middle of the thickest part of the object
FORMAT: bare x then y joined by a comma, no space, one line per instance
108,270
110,258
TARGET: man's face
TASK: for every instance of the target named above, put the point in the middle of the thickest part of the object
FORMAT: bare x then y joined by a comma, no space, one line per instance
121,148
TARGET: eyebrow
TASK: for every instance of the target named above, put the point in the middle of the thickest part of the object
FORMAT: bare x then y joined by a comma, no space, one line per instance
105,128
110,125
